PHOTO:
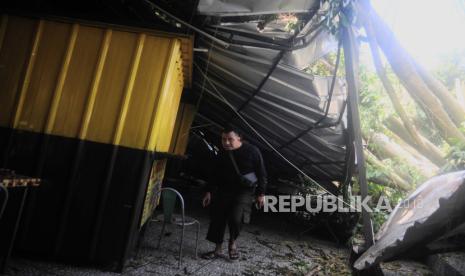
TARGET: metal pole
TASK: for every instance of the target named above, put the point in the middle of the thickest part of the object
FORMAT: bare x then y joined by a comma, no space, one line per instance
351,66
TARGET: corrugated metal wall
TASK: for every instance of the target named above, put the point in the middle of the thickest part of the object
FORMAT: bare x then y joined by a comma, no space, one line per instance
85,107
95,84
184,119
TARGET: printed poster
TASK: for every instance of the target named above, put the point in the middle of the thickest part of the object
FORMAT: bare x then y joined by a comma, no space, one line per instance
152,197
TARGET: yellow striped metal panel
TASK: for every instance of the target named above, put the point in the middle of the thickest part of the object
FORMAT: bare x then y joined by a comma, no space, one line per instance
108,101
170,96
40,85
184,119
142,105
89,82
78,85
14,55
187,57
174,97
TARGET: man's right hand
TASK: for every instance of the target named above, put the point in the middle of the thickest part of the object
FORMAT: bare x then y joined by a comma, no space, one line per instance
206,199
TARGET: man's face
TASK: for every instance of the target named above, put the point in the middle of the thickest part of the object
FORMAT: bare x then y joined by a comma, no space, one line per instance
231,140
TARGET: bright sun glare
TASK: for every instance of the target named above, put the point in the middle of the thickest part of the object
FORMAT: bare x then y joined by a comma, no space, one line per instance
428,29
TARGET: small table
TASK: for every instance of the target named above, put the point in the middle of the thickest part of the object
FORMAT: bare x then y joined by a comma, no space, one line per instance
10,180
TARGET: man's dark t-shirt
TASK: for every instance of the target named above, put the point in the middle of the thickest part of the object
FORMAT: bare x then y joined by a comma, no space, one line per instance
225,178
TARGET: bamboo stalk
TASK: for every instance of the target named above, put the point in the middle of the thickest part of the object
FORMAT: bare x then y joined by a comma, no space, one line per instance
431,151
388,86
460,92
396,180
454,109
394,151
404,68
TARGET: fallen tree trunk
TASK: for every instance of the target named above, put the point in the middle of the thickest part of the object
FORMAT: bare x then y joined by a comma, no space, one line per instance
430,151
393,180
416,138
389,88
459,92
327,63
414,152
391,150
376,153
385,181
402,65
454,109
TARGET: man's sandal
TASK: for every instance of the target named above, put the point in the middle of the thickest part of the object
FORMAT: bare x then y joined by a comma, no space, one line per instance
211,255
233,254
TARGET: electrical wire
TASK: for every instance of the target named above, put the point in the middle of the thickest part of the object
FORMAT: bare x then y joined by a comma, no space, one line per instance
206,71
220,95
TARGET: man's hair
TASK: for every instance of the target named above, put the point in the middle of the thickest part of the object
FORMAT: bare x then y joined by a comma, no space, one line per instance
228,129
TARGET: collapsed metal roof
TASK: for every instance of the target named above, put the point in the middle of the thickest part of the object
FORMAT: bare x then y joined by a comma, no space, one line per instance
261,74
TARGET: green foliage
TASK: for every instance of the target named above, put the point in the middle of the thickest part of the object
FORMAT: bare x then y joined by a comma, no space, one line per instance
318,68
375,105
302,266
378,218
451,68
424,123
375,108
455,157
376,191
325,66
373,172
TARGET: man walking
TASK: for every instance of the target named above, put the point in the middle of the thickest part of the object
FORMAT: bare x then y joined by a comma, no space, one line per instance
238,175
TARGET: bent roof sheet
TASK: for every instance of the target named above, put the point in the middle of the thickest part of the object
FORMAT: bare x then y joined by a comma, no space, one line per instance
289,108
247,7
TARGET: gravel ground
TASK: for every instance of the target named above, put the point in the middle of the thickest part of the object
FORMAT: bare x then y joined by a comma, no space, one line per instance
268,246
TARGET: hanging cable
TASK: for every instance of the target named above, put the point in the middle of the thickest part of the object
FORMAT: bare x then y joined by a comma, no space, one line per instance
264,139
206,72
